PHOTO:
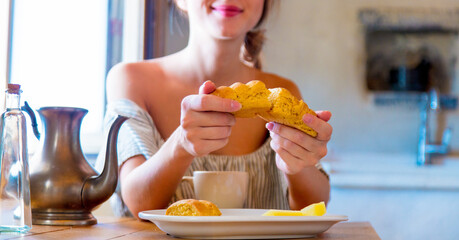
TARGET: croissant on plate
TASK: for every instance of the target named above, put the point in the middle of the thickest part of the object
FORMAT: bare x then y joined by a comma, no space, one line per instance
193,207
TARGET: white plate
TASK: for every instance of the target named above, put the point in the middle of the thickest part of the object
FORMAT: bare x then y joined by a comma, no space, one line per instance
241,224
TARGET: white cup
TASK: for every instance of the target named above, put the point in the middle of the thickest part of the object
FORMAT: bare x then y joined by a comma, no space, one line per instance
226,189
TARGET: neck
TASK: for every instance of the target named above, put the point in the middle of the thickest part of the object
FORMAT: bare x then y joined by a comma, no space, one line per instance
214,59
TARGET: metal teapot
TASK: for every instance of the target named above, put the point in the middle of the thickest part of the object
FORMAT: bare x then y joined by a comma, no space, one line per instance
64,186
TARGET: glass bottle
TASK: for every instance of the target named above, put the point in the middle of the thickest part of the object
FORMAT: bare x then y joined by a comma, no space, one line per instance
15,211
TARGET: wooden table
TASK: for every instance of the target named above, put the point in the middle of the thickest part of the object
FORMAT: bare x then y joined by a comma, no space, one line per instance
128,228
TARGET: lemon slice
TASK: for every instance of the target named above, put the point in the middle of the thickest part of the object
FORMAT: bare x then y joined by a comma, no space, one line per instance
315,209
282,213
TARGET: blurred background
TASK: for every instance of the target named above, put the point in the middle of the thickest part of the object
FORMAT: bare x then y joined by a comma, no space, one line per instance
386,69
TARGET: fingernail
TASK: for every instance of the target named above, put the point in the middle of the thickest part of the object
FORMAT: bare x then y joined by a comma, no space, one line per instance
273,127
307,118
270,126
235,105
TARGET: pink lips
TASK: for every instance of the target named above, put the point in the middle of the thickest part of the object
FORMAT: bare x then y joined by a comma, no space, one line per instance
227,10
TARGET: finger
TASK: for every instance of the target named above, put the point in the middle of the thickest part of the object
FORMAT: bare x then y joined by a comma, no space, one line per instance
214,145
217,119
210,103
324,115
292,147
207,87
209,133
207,119
290,133
204,147
292,136
323,129
215,133
286,161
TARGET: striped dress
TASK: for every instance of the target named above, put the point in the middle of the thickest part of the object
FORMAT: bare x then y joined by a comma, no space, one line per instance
139,136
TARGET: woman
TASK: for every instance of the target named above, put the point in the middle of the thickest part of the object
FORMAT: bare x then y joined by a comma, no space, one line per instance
176,127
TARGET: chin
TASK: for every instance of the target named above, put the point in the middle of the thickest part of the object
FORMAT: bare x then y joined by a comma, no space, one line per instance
229,34
228,28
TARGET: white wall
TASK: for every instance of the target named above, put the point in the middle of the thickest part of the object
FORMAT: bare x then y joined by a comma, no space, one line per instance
320,46
4,14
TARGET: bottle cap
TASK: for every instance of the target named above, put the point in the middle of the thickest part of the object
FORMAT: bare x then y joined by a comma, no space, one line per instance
14,88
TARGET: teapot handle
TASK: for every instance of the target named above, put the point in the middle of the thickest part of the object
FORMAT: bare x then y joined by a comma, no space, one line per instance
26,108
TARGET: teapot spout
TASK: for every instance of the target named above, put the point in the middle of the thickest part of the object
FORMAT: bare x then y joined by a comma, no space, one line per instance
98,189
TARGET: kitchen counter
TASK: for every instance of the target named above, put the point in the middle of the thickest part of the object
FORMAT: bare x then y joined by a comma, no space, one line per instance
391,171
396,195
128,228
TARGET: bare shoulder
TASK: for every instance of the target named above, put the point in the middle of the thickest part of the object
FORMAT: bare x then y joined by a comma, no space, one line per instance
132,80
274,81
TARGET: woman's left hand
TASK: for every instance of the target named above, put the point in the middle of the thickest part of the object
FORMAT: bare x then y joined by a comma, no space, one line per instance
297,150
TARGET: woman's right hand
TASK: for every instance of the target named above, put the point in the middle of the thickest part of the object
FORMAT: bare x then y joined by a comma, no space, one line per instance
206,121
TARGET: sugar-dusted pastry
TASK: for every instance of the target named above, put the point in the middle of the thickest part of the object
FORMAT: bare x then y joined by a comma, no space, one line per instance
193,207
252,96
274,104
288,110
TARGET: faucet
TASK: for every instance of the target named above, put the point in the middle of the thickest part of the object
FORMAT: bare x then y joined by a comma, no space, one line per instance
430,104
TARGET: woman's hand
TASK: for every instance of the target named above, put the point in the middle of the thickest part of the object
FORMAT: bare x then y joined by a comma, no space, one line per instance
206,121
295,149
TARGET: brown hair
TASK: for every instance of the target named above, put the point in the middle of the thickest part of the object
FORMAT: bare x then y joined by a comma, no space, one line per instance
254,39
